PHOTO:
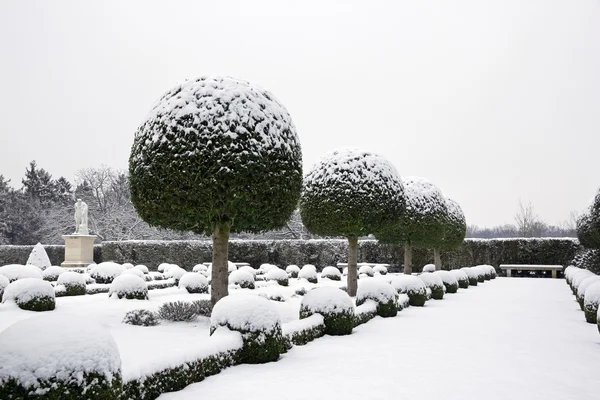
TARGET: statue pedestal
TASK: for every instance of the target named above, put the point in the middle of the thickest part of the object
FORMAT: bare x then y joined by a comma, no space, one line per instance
79,251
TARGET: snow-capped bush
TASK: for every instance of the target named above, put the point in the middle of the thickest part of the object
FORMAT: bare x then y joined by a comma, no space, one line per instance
429,268
203,306
482,273
38,257
309,274
141,318
381,292
175,272
380,269
591,302
412,286
461,277
106,272
128,286
73,282
134,271
472,274
493,272
300,292
4,282
178,311
435,283
30,294
17,271
128,265
569,272
402,302
200,268
486,270
59,357
257,320
142,268
292,270
366,270
193,283
278,275
334,305
264,268
157,276
331,273
52,273
583,287
248,269
309,266
578,278
242,278
449,281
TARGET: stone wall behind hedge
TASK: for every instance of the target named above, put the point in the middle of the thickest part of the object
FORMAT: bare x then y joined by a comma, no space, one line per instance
318,252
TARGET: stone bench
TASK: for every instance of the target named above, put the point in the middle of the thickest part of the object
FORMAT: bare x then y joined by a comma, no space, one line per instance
530,267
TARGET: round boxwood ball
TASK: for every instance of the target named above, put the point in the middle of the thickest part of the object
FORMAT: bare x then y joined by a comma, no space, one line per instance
435,283
461,277
74,283
31,294
334,305
450,282
380,292
413,287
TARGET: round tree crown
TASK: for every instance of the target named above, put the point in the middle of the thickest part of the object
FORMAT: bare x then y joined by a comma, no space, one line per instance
455,228
216,150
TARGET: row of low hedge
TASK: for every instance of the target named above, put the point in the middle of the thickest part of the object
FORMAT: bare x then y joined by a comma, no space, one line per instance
318,252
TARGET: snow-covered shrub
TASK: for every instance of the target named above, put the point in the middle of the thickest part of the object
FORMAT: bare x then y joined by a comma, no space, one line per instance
381,292
4,282
134,271
331,273
449,281
435,283
578,278
461,277
175,272
106,272
300,292
248,269
493,272
413,287
52,273
164,267
486,270
73,282
365,312
177,311
480,272
141,317
591,302
309,274
59,357
157,276
569,272
128,265
204,307
257,320
142,268
429,268
17,271
380,269
200,268
30,294
278,275
264,268
309,266
334,305
472,274
39,257
292,270
242,278
366,270
402,302
128,286
193,283
583,287
302,331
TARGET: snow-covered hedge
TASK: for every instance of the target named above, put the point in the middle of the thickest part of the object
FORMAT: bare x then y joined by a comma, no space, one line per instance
74,283
461,277
302,331
334,305
257,320
15,271
366,270
429,268
435,283
331,273
129,287
30,294
134,271
472,274
4,282
59,357
106,272
309,274
175,272
591,302
142,268
52,273
292,270
365,312
243,278
450,282
412,286
200,268
278,275
381,293
380,269
193,282
590,280
579,277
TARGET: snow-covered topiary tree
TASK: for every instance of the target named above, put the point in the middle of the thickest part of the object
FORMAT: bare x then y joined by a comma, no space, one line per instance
420,225
455,230
588,225
351,193
216,155
39,257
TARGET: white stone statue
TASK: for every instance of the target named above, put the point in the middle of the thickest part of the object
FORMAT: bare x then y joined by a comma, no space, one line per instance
81,218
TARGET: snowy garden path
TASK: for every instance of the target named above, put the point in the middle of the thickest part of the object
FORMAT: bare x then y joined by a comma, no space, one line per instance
505,339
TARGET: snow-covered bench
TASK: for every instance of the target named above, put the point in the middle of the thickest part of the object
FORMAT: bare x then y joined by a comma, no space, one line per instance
530,267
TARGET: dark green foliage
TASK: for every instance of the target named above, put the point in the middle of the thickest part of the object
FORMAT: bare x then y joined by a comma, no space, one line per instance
437,292
326,207
300,292
227,171
158,284
389,309
588,226
591,314
473,280
178,311
453,288
97,290
336,324
455,227
463,283
300,338
204,307
480,278
197,289
39,303
94,387
587,259
75,289
259,346
417,299
283,282
132,295
363,317
141,318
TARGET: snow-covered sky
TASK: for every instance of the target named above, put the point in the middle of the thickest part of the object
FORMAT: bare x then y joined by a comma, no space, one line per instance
493,101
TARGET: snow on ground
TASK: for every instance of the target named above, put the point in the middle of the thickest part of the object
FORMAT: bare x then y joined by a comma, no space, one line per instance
511,338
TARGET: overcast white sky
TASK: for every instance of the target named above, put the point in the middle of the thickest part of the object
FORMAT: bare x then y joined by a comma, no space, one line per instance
493,101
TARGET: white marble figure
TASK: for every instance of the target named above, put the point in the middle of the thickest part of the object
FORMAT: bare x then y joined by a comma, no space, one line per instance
81,218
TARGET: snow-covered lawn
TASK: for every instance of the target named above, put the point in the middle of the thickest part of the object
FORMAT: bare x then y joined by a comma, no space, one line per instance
510,338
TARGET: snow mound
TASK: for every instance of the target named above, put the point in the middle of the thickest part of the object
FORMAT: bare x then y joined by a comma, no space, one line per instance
276,274
447,277
331,273
309,266
292,269
26,289
408,283
245,312
380,269
307,273
592,299
248,269
128,286
264,268
431,280
459,274
175,272
366,270
327,300
52,273
128,265
580,277
471,272
587,282
200,268
71,278
193,282
241,277
164,267
429,268
38,257
106,272
59,347
17,271
142,268
375,289
133,271
4,282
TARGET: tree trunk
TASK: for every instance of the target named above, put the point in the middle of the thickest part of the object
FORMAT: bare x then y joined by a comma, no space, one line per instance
220,258
407,259
437,259
352,267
